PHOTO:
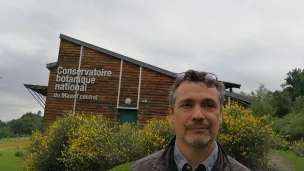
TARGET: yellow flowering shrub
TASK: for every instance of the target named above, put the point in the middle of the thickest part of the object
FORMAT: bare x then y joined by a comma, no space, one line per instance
45,149
93,142
245,137
82,142
155,135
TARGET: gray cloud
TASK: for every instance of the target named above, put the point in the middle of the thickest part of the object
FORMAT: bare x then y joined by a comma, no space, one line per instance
240,41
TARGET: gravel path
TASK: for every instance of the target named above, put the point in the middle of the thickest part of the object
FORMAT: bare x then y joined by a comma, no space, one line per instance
280,163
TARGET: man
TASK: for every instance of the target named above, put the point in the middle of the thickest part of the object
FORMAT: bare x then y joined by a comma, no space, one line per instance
195,109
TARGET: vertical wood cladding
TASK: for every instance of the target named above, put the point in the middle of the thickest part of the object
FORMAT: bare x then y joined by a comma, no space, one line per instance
129,84
154,86
155,89
68,57
106,88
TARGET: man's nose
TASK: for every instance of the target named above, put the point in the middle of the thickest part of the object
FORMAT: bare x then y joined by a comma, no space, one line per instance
198,113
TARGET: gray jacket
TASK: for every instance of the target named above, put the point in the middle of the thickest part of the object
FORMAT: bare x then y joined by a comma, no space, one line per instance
164,161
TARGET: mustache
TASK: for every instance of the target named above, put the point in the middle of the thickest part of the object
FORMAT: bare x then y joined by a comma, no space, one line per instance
197,124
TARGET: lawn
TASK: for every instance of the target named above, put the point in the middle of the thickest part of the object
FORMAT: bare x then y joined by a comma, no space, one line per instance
8,160
123,167
297,162
8,149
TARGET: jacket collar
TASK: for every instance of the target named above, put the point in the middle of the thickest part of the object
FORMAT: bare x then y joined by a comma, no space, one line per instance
166,161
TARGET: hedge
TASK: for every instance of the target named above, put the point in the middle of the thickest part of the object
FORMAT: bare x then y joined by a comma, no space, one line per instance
93,142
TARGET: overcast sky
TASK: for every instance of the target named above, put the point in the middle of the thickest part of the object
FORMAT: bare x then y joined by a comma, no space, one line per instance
246,42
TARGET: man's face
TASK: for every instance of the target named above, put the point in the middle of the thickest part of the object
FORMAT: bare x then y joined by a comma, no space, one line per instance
196,116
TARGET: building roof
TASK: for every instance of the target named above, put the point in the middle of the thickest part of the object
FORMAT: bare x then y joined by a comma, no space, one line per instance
128,59
37,88
238,97
38,92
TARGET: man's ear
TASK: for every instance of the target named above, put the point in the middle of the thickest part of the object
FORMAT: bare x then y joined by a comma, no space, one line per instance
171,114
221,117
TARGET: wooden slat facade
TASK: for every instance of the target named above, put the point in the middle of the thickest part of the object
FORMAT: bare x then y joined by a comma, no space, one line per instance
154,86
105,88
129,79
68,57
129,84
155,89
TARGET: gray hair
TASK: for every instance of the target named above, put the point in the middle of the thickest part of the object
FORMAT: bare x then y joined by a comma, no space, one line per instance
195,76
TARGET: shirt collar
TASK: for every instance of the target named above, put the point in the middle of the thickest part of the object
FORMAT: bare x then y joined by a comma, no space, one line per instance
180,160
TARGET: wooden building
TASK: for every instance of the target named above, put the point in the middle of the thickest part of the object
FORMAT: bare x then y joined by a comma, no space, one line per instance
90,79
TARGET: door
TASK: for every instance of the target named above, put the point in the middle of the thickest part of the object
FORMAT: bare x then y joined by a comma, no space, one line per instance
127,115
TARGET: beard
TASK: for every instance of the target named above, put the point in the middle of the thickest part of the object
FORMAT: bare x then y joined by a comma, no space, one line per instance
198,142
198,139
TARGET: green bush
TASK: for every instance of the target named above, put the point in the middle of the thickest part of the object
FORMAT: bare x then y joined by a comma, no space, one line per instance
291,126
280,143
19,154
298,148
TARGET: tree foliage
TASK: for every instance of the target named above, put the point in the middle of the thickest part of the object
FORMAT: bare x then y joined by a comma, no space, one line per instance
25,125
294,83
298,105
282,103
5,132
2,124
291,126
262,101
286,105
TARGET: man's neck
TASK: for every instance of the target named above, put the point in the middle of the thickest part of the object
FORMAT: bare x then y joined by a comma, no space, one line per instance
195,156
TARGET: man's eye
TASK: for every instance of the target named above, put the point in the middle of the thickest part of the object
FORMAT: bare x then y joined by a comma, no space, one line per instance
186,104
209,105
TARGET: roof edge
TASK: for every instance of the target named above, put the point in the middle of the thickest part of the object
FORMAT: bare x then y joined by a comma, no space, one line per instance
122,57
125,58
237,96
50,65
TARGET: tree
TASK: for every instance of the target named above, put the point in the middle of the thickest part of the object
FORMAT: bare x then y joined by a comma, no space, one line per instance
39,113
2,124
262,101
294,83
25,125
18,127
242,93
298,105
282,103
5,132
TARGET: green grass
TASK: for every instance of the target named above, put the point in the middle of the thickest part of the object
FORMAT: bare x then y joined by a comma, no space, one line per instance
8,160
8,140
123,167
297,162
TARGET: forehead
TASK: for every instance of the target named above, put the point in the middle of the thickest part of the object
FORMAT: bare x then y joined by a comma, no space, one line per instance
193,90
